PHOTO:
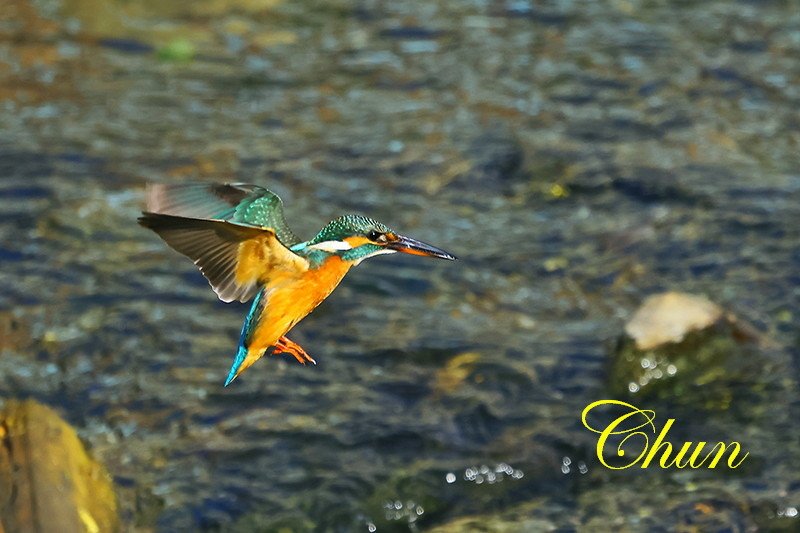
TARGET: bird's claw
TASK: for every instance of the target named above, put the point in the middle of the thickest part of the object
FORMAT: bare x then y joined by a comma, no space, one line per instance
285,345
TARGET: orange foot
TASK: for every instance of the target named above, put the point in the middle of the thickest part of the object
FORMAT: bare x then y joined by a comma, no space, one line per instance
284,345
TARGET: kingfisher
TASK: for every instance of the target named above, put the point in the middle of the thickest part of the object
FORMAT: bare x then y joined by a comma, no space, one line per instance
237,236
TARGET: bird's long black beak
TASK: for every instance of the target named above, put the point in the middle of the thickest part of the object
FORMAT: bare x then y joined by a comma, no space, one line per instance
407,245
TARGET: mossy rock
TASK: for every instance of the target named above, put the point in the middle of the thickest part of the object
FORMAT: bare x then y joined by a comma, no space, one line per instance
426,494
282,523
49,482
685,349
519,518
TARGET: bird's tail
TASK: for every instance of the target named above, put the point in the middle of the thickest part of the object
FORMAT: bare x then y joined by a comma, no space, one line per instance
240,362
241,355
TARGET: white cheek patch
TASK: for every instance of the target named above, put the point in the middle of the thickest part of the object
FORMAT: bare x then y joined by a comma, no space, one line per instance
331,246
373,254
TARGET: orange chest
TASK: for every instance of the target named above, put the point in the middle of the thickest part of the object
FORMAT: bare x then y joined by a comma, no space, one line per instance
290,299
316,284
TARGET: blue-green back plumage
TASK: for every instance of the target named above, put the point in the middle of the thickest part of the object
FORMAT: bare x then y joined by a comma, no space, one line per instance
265,209
239,203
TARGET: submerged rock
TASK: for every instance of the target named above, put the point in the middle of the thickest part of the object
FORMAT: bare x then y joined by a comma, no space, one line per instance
643,506
519,518
427,494
494,160
682,346
49,481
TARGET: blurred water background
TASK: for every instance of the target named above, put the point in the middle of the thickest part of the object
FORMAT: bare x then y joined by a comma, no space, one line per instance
577,156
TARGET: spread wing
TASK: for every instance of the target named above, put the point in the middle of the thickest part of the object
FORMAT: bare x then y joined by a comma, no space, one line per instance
240,203
236,259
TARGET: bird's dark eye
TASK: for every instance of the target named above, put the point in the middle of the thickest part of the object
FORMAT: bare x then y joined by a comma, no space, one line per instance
376,236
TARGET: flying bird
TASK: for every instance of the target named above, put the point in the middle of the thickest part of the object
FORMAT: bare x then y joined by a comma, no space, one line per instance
237,236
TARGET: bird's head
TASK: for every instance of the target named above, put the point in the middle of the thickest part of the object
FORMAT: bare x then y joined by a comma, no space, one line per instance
355,238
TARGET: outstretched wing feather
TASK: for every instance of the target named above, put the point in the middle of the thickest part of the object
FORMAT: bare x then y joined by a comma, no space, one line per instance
235,259
235,202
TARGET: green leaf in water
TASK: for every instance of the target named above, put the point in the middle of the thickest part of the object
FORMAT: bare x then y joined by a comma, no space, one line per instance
178,50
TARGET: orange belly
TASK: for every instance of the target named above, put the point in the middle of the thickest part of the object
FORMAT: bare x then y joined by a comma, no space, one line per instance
288,301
